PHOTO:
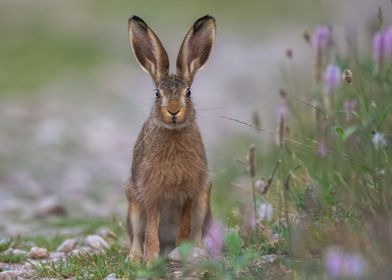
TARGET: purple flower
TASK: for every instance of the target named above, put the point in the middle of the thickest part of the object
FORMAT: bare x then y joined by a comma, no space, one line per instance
321,39
332,78
378,48
340,264
333,262
388,43
214,239
382,48
283,112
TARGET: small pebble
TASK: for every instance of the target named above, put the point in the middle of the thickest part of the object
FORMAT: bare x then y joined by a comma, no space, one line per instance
19,252
111,276
11,251
96,242
195,254
106,233
174,255
39,253
16,274
84,250
67,246
268,259
56,256
28,266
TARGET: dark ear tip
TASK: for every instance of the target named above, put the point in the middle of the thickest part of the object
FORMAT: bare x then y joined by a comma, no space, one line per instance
205,18
136,19
200,22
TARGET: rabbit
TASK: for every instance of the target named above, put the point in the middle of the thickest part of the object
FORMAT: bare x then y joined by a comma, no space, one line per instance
168,191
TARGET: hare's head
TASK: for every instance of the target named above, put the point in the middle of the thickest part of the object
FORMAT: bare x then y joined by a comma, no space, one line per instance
173,106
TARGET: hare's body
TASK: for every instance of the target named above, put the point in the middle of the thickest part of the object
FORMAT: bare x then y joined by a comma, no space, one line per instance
172,172
168,175
168,191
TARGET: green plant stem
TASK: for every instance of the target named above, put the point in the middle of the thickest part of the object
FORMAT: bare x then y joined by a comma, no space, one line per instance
286,213
254,196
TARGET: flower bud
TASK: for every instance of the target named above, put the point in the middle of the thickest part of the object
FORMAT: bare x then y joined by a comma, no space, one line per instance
332,76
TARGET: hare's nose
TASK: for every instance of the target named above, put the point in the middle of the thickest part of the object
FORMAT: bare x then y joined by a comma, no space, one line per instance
174,113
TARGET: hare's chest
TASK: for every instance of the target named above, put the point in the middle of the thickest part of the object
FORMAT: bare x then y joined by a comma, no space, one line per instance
175,167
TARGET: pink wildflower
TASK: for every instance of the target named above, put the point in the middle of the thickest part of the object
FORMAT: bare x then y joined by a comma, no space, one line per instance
340,264
378,50
214,239
388,43
321,39
332,78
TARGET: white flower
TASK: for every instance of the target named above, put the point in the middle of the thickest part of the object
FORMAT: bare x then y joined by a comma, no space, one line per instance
265,211
379,140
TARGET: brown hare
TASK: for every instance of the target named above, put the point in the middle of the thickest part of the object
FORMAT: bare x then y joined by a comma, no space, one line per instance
168,190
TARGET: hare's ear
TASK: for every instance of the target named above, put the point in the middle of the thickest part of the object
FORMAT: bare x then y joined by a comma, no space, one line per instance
148,50
196,47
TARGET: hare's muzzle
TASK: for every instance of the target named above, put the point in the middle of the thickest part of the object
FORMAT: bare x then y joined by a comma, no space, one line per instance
173,115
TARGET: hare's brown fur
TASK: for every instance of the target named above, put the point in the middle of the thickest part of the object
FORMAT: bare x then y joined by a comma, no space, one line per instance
168,190
173,170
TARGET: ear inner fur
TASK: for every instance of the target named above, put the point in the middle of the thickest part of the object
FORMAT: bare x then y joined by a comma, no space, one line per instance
196,47
148,49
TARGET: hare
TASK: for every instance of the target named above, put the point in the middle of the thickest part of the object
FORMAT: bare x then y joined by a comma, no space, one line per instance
168,190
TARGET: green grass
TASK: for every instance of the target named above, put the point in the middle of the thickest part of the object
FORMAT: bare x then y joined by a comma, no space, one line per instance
44,241
239,260
51,242
91,267
89,225
5,244
114,260
12,258
43,55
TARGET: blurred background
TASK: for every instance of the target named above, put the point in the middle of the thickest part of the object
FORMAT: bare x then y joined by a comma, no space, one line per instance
73,99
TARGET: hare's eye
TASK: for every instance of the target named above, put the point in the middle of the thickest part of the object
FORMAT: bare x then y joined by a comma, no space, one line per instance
157,93
188,92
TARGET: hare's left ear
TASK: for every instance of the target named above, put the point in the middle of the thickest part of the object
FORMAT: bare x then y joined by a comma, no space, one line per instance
196,47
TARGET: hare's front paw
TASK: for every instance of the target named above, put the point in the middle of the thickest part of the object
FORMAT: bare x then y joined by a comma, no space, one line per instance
151,256
151,252
135,255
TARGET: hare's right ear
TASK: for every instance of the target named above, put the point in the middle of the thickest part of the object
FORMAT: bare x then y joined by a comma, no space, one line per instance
148,50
